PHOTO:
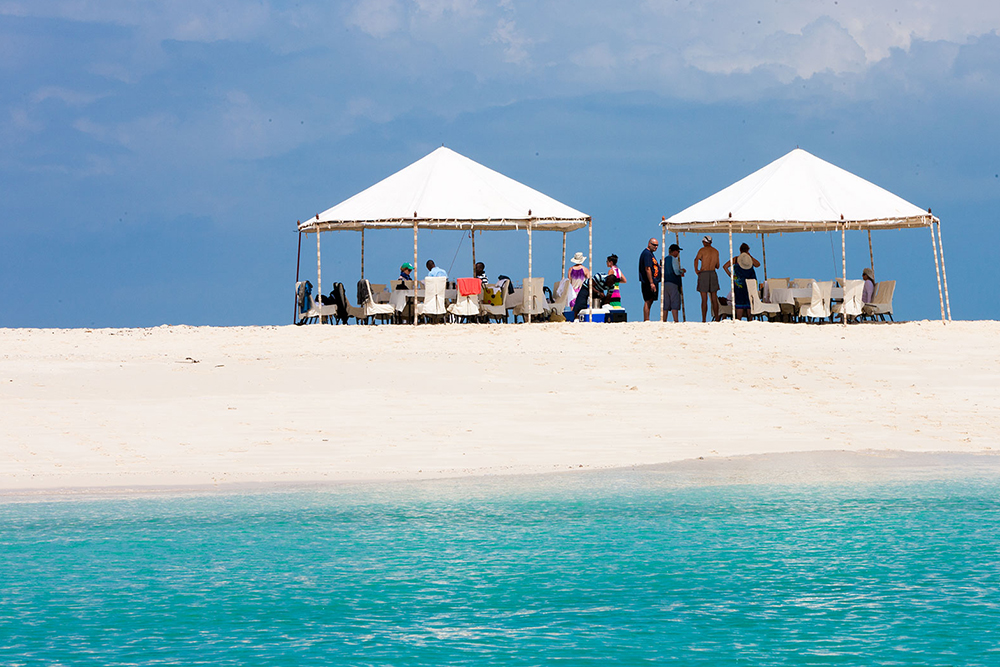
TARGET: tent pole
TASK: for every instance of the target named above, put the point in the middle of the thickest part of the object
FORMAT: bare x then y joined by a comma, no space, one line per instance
473,234
298,262
590,283
763,253
524,292
937,267
563,274
944,271
732,275
362,253
843,261
319,267
871,253
663,273
415,273
684,315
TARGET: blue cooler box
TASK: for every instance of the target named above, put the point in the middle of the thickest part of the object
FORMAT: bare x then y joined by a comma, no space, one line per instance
595,317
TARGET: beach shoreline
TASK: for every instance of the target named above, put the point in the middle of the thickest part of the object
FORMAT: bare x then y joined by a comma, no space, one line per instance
200,407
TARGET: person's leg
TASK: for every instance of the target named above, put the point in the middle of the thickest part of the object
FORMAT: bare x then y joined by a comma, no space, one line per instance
675,315
645,310
715,306
704,306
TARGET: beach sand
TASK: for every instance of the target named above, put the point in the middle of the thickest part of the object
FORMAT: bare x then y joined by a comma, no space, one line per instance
178,405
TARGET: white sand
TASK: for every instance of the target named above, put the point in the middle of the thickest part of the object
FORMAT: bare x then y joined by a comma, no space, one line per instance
110,408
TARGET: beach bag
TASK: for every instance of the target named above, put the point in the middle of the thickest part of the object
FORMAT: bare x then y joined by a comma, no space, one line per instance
493,297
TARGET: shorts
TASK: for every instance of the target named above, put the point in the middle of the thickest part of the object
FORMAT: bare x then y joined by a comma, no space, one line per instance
648,291
708,281
671,297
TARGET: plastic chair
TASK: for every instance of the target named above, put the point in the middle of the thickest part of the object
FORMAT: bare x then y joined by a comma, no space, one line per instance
851,306
881,304
757,307
818,307
533,301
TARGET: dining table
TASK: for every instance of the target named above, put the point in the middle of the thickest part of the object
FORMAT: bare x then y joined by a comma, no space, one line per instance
790,295
399,297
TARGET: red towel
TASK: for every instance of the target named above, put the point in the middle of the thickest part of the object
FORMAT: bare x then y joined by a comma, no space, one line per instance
469,286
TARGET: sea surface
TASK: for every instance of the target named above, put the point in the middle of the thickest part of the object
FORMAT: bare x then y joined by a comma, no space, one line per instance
616,568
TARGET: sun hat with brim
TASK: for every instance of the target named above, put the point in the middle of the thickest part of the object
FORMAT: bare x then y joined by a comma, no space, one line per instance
745,261
706,239
579,258
407,265
868,273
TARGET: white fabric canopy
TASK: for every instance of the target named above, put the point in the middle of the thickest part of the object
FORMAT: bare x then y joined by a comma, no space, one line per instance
445,190
799,192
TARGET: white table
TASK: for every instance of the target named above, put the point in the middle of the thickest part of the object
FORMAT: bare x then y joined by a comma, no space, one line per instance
399,297
790,294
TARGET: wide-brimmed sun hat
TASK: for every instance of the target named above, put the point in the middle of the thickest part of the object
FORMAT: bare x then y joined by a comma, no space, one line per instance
868,273
579,258
745,261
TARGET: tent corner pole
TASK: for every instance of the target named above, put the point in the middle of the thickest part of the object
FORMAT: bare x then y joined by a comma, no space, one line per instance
319,267
362,253
937,268
298,263
944,271
763,254
871,252
684,315
843,261
415,273
563,274
530,281
590,282
663,272
473,235
732,276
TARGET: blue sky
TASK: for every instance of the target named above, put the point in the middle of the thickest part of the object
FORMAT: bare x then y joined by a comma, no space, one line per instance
154,156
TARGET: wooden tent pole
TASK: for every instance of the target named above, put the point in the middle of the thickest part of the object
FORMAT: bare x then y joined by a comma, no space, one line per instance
362,253
763,253
843,261
663,273
871,253
563,274
524,292
944,271
473,234
732,275
415,273
298,262
319,267
684,315
937,267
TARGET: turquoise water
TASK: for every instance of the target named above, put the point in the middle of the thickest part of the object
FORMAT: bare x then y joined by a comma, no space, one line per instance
617,569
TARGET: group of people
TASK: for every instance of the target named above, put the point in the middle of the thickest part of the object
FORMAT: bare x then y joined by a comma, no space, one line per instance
706,266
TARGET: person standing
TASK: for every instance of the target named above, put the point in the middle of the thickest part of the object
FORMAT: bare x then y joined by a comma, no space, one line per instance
615,279
708,279
672,274
649,276
742,270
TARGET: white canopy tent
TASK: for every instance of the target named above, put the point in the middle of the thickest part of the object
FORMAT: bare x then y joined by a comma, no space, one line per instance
799,192
445,190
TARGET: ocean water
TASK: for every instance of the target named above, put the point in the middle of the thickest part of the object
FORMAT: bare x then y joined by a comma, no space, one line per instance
605,569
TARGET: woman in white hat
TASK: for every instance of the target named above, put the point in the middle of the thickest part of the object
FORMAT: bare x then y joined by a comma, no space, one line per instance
577,274
743,269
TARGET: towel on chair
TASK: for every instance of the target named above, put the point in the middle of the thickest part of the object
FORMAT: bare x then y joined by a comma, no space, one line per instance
469,286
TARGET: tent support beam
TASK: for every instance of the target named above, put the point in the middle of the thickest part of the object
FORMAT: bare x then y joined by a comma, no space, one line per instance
590,283
524,292
843,261
298,263
763,255
944,271
732,276
937,268
473,235
684,315
362,253
663,272
415,273
563,274
319,267
871,253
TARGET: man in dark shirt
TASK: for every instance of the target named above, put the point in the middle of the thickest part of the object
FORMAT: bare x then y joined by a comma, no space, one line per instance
649,276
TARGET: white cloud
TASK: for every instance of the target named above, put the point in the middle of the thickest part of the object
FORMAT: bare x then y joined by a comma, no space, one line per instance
515,45
73,98
378,18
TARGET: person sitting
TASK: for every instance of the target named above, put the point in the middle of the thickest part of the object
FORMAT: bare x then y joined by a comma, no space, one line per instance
743,266
868,292
481,273
406,271
435,271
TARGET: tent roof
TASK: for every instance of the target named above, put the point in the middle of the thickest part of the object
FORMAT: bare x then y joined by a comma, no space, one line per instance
800,192
445,190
